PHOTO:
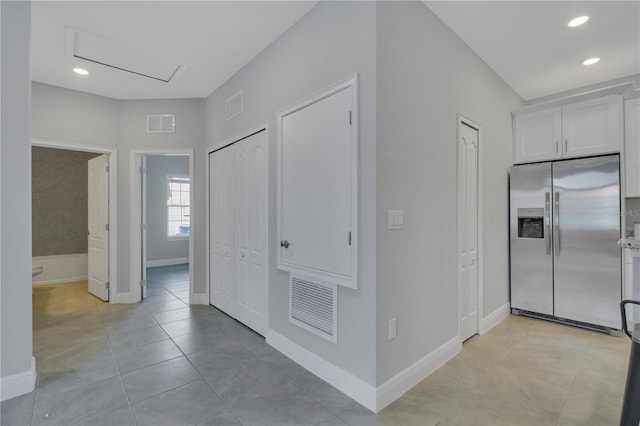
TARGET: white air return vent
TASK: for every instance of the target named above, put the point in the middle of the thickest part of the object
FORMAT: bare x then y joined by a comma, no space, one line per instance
119,56
234,105
165,123
313,305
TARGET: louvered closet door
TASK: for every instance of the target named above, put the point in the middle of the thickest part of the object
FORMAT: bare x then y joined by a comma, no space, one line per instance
251,189
221,228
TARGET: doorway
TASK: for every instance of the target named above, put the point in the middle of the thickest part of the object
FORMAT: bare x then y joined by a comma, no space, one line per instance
469,264
72,218
162,222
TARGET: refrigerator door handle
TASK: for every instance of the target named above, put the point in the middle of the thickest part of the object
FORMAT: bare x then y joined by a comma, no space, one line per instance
547,221
556,223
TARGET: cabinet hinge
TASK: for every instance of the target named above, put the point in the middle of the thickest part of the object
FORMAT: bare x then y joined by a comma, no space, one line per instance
350,118
107,285
349,237
106,227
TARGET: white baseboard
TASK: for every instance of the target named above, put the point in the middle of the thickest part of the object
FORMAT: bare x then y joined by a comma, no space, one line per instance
198,299
167,262
355,388
18,384
62,268
396,386
494,318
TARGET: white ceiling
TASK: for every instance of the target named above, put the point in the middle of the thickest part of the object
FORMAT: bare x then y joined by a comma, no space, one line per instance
530,46
211,40
526,42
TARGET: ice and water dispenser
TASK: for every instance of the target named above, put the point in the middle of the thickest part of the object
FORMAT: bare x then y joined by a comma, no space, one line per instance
530,223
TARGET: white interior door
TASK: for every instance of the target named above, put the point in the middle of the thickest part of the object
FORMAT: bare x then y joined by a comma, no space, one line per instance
143,225
221,229
251,224
98,220
468,228
316,186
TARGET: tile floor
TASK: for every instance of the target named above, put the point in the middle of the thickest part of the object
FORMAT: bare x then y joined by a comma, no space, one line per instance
162,362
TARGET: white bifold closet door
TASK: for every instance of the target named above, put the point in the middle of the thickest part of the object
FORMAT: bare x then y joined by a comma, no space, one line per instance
239,230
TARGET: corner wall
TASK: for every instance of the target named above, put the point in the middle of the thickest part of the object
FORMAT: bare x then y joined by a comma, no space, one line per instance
17,365
333,41
426,76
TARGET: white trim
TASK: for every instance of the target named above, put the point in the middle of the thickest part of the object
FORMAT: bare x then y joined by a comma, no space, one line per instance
494,318
135,202
124,298
167,262
201,297
460,120
396,386
353,82
113,201
198,299
61,268
352,386
18,384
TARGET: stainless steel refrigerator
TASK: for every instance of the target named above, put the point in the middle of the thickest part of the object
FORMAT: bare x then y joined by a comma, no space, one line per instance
564,226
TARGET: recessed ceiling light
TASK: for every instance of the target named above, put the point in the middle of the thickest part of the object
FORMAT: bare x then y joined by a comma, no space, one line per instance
81,71
591,61
576,22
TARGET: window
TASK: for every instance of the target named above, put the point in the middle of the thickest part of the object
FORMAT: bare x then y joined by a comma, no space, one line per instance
178,205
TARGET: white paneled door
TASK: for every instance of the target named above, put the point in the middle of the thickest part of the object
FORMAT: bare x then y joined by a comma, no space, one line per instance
239,230
468,228
98,223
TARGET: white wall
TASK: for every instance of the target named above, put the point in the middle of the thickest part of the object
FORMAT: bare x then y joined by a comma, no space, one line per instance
333,41
70,116
158,168
16,351
427,75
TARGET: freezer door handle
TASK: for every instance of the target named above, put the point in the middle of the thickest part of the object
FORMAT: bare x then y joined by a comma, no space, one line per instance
547,221
556,223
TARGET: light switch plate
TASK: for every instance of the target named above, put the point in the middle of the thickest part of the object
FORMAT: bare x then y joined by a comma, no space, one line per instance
396,220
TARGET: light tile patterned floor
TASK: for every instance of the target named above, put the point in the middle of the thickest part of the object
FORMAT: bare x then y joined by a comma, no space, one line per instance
162,362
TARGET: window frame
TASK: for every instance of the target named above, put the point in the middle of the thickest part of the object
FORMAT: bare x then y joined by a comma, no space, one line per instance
168,180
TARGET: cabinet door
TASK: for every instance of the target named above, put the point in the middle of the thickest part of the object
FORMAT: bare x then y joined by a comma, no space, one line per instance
591,127
221,226
251,224
632,147
537,136
317,190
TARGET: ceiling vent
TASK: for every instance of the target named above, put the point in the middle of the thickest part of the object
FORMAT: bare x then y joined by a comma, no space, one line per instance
165,123
119,56
313,305
234,105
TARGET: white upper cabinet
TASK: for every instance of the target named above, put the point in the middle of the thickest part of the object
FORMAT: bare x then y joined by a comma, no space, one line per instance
632,147
590,127
317,186
538,135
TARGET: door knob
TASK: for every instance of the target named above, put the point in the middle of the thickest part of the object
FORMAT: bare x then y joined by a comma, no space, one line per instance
284,244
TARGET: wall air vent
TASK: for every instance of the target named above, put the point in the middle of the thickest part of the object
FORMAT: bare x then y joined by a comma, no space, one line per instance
234,105
164,123
313,305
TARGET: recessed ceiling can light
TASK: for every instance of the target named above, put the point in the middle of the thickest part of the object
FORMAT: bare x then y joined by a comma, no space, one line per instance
80,71
591,61
576,22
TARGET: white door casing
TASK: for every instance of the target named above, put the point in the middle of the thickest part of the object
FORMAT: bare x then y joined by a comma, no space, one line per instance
98,220
143,226
468,228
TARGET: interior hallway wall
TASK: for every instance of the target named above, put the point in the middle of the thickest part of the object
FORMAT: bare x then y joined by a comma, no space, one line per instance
426,76
333,41
70,116
16,350
158,168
